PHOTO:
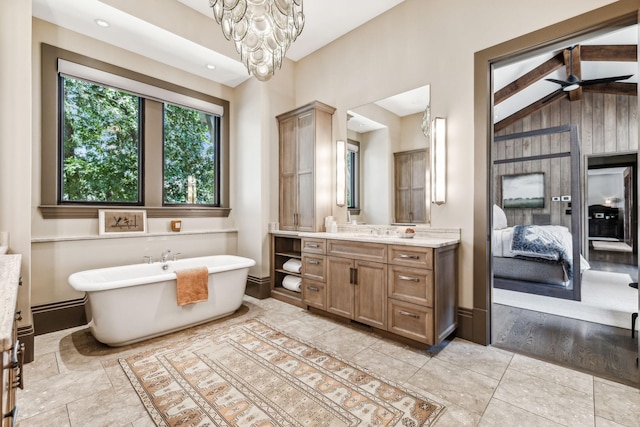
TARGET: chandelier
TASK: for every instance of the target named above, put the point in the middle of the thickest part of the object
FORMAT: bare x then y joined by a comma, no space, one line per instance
262,30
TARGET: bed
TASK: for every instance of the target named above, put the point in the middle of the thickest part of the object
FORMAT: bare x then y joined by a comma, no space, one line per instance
534,259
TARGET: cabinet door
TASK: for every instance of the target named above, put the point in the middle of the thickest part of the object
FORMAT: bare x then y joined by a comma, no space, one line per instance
288,174
402,172
340,293
410,171
418,186
305,173
371,294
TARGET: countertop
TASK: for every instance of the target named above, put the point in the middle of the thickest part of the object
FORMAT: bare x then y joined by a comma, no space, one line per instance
425,239
9,279
395,239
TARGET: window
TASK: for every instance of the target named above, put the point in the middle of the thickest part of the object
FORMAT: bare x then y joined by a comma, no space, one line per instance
101,141
353,174
113,137
190,156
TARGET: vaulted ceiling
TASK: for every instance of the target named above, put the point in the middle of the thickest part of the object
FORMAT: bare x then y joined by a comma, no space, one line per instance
526,86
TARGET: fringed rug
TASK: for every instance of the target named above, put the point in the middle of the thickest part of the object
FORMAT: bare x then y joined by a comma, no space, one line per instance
253,375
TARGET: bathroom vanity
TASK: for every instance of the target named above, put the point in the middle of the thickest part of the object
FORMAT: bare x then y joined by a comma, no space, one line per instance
12,351
398,286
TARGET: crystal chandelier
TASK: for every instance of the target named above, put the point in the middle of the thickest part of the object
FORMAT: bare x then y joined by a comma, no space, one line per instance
262,30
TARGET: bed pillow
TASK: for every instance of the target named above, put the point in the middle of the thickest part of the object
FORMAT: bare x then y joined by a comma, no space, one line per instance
499,218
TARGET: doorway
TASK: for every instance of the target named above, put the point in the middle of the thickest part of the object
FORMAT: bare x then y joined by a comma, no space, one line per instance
612,213
545,335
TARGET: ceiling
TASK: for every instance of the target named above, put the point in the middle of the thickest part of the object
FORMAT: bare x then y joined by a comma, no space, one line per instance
325,21
507,73
138,27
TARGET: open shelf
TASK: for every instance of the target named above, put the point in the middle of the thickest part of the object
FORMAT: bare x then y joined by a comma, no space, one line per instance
284,248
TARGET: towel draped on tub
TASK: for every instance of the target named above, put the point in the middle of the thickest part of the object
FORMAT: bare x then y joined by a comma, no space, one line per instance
192,285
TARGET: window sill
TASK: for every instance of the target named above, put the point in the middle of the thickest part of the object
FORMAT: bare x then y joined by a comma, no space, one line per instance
78,212
124,236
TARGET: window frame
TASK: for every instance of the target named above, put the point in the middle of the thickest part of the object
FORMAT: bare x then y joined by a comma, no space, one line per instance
61,160
152,160
216,144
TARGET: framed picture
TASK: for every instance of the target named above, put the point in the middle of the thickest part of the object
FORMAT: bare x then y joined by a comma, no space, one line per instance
115,221
523,190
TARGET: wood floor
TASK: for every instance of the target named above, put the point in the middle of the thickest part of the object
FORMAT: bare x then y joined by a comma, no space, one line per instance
596,349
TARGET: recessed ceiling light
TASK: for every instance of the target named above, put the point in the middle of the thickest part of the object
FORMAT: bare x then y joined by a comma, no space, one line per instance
102,23
211,67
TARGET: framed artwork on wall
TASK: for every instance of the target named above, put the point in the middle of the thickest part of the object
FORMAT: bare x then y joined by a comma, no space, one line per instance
115,221
523,191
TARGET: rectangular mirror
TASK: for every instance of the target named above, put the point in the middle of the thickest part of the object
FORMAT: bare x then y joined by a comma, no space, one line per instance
388,159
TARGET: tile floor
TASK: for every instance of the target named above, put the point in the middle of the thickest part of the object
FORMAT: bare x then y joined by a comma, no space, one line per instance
76,381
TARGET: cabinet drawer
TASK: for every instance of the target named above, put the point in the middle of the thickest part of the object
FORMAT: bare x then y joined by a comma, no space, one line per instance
314,294
413,285
357,250
313,246
411,256
314,267
410,320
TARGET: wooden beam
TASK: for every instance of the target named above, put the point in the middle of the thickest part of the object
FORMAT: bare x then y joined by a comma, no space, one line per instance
621,53
529,78
528,110
572,61
615,88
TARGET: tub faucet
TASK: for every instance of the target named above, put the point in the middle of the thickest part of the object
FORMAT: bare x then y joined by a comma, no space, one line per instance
165,257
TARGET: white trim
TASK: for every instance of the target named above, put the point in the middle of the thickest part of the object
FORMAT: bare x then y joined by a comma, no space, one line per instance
74,70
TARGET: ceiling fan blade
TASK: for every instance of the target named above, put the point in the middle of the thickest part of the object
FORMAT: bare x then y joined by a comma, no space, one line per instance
603,80
560,82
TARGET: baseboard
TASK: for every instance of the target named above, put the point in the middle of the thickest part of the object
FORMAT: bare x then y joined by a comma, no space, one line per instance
25,336
258,287
58,316
465,323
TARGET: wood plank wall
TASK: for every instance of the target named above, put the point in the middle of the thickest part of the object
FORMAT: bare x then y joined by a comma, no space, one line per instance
607,124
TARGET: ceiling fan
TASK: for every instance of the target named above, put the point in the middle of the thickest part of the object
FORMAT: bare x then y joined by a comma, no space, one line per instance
573,82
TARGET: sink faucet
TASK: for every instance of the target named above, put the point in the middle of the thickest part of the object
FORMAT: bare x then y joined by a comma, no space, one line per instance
165,257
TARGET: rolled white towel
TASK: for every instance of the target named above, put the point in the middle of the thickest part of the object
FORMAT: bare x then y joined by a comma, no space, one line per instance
293,265
292,283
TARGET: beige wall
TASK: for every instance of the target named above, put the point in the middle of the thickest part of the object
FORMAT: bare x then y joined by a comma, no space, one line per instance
15,137
434,42
62,246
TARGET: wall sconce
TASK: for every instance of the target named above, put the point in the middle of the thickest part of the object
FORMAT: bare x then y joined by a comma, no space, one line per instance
439,161
341,172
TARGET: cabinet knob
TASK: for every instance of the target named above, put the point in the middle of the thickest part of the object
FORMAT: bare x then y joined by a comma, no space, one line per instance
313,261
313,288
19,315
409,279
313,245
409,256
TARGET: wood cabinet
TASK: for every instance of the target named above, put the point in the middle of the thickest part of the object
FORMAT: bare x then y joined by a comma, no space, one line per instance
12,351
407,290
314,273
305,144
410,171
356,281
422,290
404,290
283,249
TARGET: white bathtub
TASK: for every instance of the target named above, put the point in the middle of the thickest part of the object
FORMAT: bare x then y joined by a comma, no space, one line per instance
135,302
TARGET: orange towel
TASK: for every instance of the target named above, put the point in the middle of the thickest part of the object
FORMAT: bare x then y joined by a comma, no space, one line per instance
192,285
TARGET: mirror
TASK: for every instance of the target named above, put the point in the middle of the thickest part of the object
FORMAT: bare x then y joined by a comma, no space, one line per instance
388,143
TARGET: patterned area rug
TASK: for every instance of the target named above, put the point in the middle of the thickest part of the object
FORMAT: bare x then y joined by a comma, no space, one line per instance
253,375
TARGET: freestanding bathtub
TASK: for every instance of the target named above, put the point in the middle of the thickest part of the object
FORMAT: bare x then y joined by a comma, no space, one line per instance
135,302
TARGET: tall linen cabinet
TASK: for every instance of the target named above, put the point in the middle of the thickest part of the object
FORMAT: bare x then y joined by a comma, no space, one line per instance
305,145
